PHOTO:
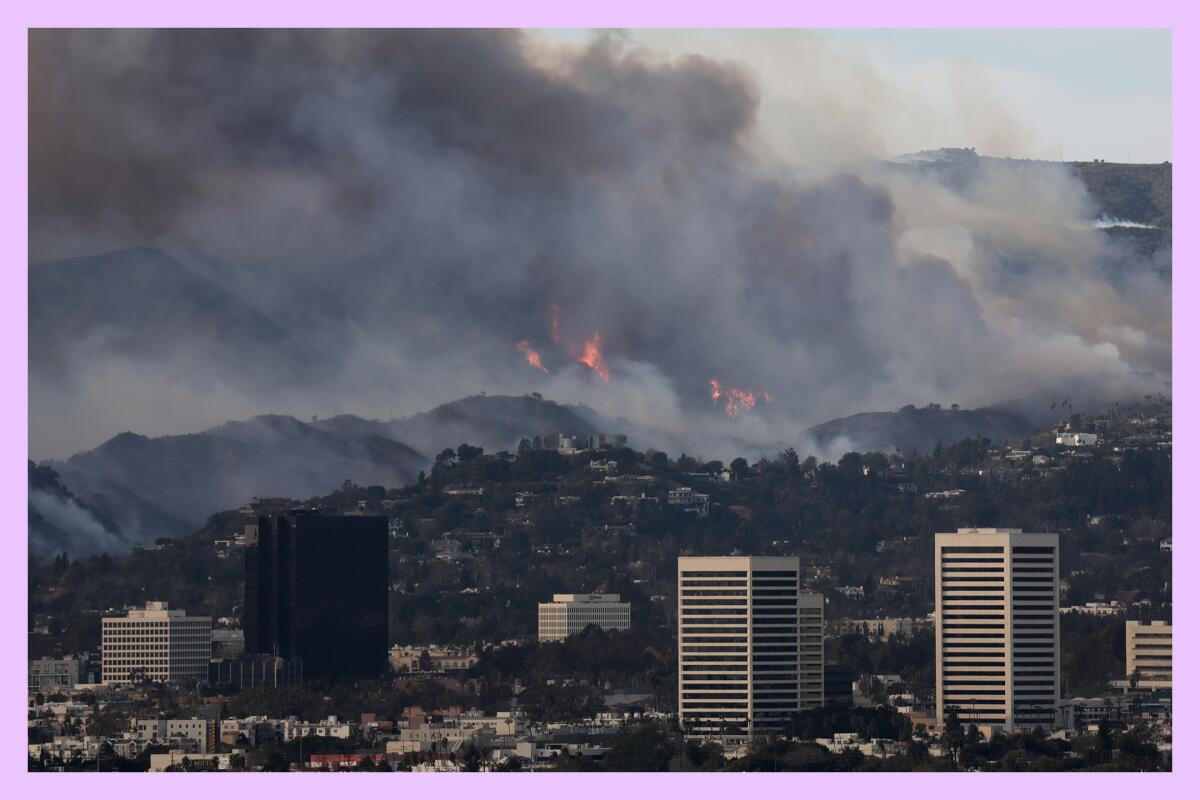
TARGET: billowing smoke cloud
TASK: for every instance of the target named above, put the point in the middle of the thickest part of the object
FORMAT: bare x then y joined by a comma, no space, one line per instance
63,524
409,206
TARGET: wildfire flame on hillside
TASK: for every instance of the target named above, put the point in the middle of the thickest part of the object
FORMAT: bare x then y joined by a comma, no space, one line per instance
593,357
531,355
736,400
590,355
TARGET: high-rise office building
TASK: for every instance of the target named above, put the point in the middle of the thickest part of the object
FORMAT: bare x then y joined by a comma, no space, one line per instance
1148,654
317,591
568,614
996,593
751,651
155,643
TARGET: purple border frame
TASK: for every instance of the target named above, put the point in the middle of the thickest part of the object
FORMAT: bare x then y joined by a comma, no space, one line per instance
18,18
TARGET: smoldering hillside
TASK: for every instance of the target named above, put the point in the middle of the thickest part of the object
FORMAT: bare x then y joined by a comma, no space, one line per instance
381,217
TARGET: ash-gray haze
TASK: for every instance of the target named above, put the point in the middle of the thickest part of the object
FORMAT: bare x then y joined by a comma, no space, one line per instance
375,219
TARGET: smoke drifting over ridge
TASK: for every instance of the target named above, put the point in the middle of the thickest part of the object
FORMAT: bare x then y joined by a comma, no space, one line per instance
409,206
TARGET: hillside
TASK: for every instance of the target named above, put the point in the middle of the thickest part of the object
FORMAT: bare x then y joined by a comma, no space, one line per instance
144,488
494,422
58,520
1138,193
1119,193
920,430
466,568
167,486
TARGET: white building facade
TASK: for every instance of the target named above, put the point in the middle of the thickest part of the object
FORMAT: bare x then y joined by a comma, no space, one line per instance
1148,654
156,643
997,623
568,614
751,650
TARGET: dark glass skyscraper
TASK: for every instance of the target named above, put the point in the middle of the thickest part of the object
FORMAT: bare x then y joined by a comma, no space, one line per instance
316,589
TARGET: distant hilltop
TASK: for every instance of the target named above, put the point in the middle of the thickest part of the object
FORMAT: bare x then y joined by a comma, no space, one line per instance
1131,193
966,153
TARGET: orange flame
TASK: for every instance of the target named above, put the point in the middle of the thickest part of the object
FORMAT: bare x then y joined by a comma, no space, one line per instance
593,358
736,400
554,322
531,355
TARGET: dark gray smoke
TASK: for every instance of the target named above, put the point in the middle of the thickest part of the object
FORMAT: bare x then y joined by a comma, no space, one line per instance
409,205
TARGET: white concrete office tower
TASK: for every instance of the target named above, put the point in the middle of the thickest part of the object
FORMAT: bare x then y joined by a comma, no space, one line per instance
163,645
996,593
569,614
1148,654
751,651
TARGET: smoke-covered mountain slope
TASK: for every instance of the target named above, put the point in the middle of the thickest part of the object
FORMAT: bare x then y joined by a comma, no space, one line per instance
59,521
133,489
188,477
912,429
495,422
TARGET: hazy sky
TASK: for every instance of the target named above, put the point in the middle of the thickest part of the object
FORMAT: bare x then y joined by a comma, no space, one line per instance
1083,94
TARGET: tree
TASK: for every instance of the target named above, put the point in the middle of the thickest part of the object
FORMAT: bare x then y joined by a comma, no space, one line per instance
953,736
468,453
647,749
472,758
740,468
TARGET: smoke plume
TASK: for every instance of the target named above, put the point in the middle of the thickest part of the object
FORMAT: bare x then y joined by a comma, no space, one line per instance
421,211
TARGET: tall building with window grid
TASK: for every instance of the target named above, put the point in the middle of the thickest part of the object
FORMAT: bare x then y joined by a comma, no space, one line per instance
155,643
1148,654
997,651
751,651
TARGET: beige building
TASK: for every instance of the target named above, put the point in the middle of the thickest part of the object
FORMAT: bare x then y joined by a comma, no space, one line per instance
997,627
160,644
568,614
54,674
1148,654
879,628
751,650
439,658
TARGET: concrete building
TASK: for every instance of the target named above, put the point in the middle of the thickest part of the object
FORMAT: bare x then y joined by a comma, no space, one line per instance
54,674
879,628
160,644
997,620
1070,439
751,651
691,500
569,614
436,658
1148,654
194,735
